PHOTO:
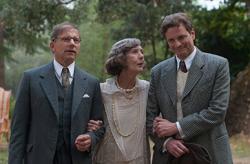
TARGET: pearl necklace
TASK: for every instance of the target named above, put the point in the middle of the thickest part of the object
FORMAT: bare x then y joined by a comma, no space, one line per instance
115,118
128,93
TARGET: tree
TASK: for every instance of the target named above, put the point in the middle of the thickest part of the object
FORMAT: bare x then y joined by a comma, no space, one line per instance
25,23
238,116
141,19
225,32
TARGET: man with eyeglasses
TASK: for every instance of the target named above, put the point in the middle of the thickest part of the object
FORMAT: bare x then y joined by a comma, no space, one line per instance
188,100
53,106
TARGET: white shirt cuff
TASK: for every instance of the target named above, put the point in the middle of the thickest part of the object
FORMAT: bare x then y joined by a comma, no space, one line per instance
165,143
180,130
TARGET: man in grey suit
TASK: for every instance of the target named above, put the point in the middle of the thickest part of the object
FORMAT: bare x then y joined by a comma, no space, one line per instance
188,97
53,106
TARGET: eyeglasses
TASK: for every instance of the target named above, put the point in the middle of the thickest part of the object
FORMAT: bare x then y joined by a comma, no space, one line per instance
68,39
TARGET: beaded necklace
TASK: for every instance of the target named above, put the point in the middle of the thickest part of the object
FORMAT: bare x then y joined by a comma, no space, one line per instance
115,118
128,93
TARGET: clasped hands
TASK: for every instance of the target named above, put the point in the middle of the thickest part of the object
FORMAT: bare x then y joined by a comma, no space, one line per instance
83,141
165,128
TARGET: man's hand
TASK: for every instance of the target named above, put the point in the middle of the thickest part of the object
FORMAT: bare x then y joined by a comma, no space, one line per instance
164,128
176,148
83,142
94,125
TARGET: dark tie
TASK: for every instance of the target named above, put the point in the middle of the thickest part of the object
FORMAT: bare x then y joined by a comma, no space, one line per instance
65,77
182,66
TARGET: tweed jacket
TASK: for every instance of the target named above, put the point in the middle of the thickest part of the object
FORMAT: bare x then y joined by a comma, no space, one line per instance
204,104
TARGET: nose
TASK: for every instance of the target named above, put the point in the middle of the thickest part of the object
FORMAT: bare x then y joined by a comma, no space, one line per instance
141,55
72,41
177,43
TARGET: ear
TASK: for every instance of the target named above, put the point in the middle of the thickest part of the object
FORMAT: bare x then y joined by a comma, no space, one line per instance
51,46
193,34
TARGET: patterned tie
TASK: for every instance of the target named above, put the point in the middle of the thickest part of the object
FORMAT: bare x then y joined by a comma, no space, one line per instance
65,77
182,66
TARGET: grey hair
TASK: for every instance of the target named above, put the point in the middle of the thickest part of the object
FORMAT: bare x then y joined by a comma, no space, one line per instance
123,46
117,56
59,28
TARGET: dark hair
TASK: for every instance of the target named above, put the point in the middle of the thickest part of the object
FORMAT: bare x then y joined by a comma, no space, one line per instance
175,20
116,61
59,28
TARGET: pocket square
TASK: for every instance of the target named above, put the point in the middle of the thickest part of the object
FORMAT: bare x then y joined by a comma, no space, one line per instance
85,96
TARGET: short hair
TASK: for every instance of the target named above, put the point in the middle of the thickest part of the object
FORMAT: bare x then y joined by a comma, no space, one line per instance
175,20
117,56
59,28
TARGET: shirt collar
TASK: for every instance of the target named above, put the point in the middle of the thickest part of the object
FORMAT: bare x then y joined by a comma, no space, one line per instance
58,68
188,61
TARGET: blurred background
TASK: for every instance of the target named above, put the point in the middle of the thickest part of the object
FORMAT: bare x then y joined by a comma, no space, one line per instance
222,27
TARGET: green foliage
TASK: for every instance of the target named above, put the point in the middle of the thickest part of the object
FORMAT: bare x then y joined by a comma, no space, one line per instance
21,62
141,19
12,105
225,32
27,22
94,48
3,156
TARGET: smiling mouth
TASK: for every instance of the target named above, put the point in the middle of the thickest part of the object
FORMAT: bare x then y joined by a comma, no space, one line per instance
70,51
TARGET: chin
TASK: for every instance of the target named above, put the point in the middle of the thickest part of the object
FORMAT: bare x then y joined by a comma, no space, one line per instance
69,61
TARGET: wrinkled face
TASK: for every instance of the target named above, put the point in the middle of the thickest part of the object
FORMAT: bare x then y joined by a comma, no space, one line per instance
135,60
66,46
180,41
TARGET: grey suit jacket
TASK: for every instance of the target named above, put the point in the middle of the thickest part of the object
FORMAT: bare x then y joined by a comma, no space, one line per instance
34,127
204,104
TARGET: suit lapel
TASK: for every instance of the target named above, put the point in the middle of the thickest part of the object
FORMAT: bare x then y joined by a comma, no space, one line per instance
48,83
195,73
169,79
80,86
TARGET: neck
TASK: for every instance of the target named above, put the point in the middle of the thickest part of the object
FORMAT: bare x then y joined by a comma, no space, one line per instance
126,81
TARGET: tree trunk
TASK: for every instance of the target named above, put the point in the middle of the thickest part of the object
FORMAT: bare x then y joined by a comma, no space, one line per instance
104,55
238,115
2,77
248,7
154,51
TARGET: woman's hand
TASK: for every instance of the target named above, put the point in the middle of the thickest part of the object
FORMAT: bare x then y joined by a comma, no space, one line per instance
94,125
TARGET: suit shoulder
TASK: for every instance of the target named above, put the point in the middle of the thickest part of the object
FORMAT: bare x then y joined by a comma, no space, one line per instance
36,70
162,64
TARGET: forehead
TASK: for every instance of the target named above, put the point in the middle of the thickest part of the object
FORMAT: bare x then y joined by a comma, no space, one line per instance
69,31
176,30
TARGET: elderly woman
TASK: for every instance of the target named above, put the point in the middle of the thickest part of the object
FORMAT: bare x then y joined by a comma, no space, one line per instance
124,97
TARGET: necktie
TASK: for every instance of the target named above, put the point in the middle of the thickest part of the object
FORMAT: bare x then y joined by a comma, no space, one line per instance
65,77
182,66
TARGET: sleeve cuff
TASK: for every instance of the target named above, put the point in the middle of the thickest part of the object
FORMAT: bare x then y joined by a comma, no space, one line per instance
180,130
164,149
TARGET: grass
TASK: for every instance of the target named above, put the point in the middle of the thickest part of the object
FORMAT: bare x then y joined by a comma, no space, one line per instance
240,145
3,157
